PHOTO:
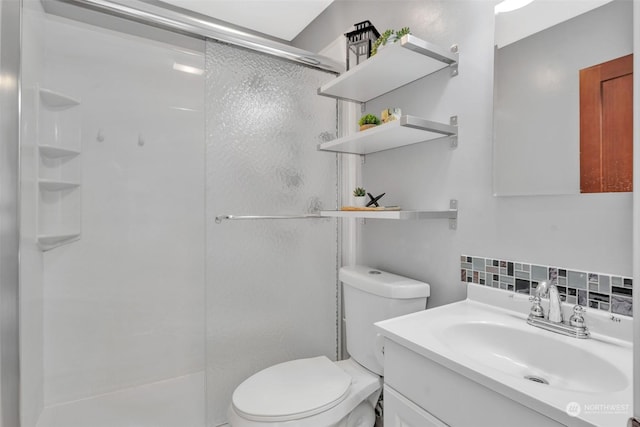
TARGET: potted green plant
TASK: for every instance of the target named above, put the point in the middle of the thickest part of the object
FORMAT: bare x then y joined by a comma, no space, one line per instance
359,197
368,121
388,37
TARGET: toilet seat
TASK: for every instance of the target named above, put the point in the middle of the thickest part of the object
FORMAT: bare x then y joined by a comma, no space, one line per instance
292,390
365,387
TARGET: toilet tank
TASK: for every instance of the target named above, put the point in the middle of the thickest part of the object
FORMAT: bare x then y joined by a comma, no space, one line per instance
371,295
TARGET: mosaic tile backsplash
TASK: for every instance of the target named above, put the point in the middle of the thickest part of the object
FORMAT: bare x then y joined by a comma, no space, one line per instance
605,292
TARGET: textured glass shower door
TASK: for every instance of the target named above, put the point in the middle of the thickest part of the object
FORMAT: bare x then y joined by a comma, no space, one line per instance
271,284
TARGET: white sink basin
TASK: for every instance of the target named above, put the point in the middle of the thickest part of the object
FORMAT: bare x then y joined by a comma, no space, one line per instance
487,340
538,357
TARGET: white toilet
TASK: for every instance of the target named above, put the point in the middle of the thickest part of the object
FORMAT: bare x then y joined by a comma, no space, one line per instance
317,392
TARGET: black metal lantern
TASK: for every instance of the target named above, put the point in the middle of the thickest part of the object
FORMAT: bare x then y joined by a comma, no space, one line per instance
360,41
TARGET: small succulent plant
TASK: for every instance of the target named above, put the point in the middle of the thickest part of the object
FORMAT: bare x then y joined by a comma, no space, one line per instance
369,119
359,192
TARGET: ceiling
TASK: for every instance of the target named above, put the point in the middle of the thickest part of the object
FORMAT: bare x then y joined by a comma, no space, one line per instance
283,19
537,16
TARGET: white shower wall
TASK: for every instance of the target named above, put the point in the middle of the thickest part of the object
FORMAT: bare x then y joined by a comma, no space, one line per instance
124,306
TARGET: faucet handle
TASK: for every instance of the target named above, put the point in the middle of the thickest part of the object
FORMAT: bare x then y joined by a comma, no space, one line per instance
576,318
536,308
578,309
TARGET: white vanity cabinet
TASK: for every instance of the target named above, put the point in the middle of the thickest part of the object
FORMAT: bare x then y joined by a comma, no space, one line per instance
401,412
419,392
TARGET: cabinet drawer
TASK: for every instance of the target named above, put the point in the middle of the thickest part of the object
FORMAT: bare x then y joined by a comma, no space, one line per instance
453,398
400,412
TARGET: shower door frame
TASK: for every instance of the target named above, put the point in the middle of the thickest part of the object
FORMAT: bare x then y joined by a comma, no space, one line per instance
183,21
10,111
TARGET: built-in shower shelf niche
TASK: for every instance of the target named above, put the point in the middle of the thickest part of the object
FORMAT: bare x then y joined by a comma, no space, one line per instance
59,122
58,169
57,100
54,152
50,241
405,131
51,185
59,213
394,66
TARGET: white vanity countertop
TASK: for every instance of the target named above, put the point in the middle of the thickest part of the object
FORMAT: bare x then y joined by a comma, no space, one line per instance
430,334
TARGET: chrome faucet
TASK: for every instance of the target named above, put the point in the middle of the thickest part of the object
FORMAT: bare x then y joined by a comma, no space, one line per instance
555,305
576,326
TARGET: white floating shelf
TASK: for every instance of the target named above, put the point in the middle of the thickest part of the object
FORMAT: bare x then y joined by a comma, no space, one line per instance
50,241
392,67
450,214
50,185
405,131
57,100
53,152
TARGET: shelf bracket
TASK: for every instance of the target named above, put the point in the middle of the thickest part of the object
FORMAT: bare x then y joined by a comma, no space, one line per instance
453,139
453,208
453,68
363,159
363,107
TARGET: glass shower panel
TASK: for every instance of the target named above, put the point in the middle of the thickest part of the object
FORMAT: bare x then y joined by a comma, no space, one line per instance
271,284
113,184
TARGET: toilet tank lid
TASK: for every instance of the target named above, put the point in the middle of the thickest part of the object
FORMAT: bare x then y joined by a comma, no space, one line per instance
382,283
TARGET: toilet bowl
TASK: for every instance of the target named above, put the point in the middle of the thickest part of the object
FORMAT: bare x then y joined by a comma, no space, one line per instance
317,392
307,393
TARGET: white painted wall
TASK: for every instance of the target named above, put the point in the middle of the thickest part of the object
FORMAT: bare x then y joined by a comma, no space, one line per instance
590,232
125,305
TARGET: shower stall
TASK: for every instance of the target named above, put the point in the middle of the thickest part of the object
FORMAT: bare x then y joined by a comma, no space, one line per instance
145,137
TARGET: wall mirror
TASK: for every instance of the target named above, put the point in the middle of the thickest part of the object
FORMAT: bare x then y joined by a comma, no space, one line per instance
540,50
